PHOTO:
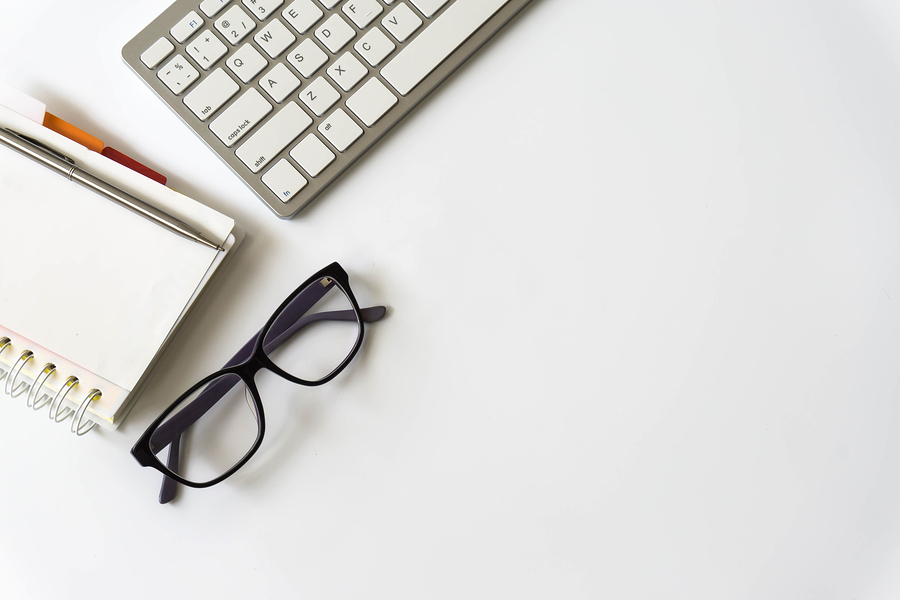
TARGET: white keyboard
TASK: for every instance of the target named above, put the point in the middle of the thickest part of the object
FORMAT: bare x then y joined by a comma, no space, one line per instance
290,93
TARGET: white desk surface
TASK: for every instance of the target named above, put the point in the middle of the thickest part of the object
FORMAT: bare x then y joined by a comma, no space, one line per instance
641,260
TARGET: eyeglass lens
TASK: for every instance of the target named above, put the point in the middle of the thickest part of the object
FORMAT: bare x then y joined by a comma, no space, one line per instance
315,333
220,425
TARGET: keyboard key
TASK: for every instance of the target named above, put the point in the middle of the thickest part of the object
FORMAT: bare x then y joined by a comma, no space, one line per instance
274,136
155,54
401,22
178,74
211,94
274,38
211,8
186,27
284,180
279,82
428,7
246,63
329,3
334,33
362,12
206,49
312,154
347,71
340,130
262,8
374,47
319,96
371,101
235,24
422,55
239,118
307,58
302,15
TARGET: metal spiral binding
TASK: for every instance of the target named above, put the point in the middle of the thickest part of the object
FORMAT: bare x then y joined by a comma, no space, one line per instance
80,425
38,399
12,389
4,344
57,406
35,394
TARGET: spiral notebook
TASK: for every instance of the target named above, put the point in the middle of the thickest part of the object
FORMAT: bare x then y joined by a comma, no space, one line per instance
90,292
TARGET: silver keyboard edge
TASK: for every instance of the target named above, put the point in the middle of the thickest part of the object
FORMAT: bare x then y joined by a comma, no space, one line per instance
159,27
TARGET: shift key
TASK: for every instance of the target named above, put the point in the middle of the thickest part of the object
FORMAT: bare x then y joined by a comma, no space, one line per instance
273,137
239,118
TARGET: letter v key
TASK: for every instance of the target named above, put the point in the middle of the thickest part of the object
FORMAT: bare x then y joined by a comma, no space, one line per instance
402,22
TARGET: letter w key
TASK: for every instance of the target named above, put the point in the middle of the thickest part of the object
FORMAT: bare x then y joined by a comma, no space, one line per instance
274,38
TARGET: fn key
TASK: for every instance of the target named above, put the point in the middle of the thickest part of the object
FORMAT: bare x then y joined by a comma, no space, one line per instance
284,180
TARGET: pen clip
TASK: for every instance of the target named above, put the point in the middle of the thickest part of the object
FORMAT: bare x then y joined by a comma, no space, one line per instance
41,145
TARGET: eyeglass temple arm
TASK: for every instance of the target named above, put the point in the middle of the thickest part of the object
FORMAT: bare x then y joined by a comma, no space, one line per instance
170,486
169,433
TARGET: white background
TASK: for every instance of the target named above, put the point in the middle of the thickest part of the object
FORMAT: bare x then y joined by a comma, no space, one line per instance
643,341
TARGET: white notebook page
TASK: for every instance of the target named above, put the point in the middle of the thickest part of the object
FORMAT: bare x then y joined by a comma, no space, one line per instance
87,278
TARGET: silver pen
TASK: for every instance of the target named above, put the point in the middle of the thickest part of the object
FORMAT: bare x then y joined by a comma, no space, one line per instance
66,166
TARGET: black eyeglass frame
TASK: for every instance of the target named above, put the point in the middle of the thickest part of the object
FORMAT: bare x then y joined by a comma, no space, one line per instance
246,370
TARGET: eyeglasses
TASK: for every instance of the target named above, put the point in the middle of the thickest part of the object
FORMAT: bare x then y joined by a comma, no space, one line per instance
214,428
